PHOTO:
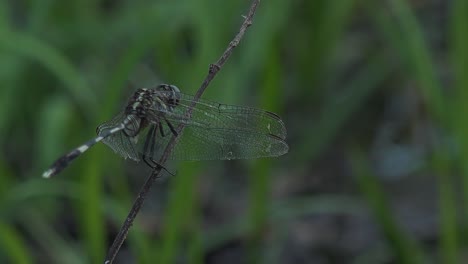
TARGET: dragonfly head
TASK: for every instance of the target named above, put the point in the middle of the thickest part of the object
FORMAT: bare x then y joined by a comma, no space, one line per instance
171,93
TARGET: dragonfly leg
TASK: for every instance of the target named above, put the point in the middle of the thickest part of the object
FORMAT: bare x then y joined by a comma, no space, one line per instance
148,149
149,144
174,132
161,130
152,150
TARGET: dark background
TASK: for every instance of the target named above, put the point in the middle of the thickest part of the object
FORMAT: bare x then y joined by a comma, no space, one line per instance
373,94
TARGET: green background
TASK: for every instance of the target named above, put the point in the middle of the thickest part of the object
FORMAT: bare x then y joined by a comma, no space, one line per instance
372,93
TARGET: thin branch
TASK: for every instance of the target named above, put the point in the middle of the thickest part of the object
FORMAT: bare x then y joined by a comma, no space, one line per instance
213,70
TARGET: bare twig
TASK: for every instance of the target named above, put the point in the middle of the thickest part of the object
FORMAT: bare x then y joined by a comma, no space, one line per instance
213,70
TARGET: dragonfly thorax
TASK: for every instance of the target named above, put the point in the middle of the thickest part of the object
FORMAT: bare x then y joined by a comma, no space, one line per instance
132,125
139,103
144,102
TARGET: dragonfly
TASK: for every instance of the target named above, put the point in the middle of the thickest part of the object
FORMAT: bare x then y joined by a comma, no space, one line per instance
212,131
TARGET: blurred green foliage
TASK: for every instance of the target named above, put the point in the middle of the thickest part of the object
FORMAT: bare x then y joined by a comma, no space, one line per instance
326,67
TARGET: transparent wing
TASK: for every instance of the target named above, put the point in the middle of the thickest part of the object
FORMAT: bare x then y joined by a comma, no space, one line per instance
119,142
218,132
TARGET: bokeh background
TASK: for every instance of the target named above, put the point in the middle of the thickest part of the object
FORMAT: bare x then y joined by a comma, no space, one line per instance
373,94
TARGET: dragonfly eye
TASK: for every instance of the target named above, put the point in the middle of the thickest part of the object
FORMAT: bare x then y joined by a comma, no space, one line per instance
175,97
171,92
174,89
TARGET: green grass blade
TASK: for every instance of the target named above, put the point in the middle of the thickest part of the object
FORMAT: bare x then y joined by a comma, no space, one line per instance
179,214
13,246
337,110
406,35
405,249
52,60
260,178
459,58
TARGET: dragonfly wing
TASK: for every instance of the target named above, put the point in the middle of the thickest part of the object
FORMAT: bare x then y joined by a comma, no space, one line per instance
226,144
119,142
220,132
235,117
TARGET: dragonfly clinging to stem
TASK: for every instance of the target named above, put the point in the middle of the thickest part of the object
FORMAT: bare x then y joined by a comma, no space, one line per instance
213,132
